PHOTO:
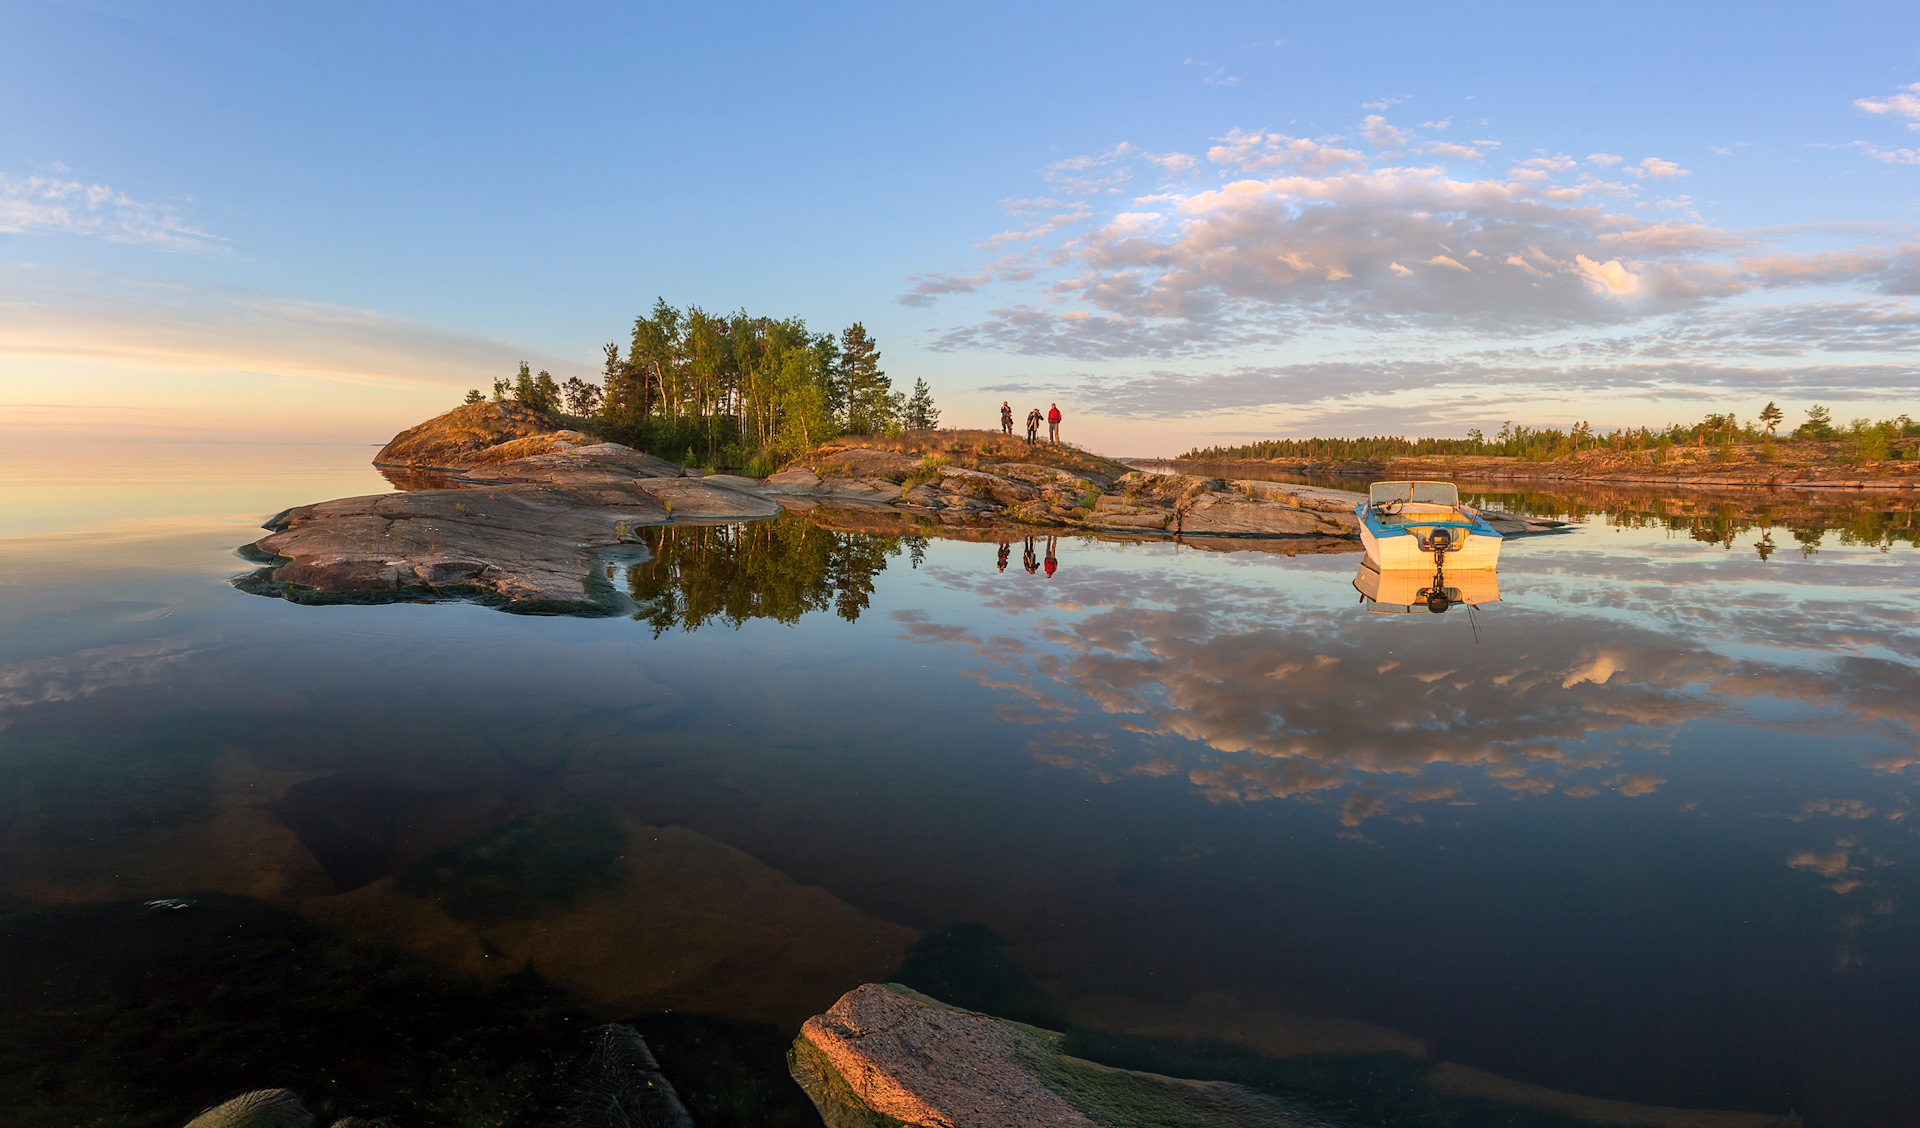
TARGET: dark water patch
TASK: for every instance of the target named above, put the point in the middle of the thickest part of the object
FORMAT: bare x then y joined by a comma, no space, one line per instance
967,965
67,786
730,1073
125,1016
360,827
1360,1090
543,860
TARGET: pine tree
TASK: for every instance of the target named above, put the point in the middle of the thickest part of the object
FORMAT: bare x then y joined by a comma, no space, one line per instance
1771,415
474,396
870,406
1819,424
920,413
546,393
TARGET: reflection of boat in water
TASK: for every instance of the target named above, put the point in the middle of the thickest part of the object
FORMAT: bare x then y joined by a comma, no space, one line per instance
1420,525
1401,590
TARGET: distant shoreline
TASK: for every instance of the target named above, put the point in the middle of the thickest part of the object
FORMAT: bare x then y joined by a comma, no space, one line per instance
1582,470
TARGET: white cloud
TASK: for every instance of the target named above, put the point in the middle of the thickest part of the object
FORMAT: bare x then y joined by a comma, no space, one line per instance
1381,135
1891,156
1384,104
1905,104
1659,169
1449,149
1250,152
44,205
1213,74
1348,260
1086,175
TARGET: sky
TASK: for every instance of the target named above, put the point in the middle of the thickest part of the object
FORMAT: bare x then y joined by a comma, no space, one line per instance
1186,224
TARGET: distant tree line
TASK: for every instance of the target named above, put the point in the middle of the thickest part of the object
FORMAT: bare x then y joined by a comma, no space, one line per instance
730,389
1867,440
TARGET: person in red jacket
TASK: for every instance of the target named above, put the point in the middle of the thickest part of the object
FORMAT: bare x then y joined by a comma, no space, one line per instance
1053,562
1053,425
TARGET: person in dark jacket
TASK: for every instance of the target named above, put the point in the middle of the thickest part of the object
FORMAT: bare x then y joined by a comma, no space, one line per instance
1005,548
1029,559
1053,425
1006,418
1033,427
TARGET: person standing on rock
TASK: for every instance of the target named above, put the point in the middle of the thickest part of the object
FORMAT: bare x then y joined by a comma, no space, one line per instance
1033,427
1053,425
1006,418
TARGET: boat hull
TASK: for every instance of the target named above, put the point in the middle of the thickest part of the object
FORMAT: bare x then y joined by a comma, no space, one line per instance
1403,533
1401,551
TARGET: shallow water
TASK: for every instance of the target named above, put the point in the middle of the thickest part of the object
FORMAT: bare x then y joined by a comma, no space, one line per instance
1641,830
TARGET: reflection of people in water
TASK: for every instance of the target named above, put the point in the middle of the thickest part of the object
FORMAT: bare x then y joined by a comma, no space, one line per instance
1052,561
1029,559
1005,550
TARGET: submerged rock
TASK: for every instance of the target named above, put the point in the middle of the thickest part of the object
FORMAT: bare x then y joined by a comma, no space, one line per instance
621,1086
885,1056
266,1108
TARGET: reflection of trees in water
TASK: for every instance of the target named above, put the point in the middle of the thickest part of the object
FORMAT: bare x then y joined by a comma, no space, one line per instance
778,569
1869,521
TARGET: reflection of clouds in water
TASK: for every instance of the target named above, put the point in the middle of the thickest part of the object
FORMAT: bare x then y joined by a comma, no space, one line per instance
85,673
1844,869
1271,691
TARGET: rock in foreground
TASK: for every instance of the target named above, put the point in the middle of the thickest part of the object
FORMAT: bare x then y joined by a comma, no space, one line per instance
885,1056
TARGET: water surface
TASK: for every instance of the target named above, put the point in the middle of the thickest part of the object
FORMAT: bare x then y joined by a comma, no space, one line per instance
1641,830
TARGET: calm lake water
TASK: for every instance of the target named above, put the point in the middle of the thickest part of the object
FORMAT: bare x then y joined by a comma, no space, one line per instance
1642,830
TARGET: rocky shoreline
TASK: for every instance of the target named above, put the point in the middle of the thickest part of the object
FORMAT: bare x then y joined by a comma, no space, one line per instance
501,505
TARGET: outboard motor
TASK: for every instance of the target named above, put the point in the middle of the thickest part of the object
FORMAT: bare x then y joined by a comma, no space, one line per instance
1439,542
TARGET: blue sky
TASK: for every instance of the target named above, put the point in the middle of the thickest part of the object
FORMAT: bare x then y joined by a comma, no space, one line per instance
1184,223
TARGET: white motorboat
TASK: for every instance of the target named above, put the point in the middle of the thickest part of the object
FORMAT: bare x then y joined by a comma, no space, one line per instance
1415,526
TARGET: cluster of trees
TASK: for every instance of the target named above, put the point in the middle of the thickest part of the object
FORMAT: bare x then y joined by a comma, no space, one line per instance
1870,440
730,389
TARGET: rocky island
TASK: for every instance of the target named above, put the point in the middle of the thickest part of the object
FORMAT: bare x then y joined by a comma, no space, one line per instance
503,504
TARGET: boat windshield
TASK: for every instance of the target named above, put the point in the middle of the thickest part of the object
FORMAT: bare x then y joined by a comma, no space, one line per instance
1424,520
1432,493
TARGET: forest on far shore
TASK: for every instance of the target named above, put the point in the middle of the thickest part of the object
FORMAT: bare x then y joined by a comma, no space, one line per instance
1863,440
729,390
